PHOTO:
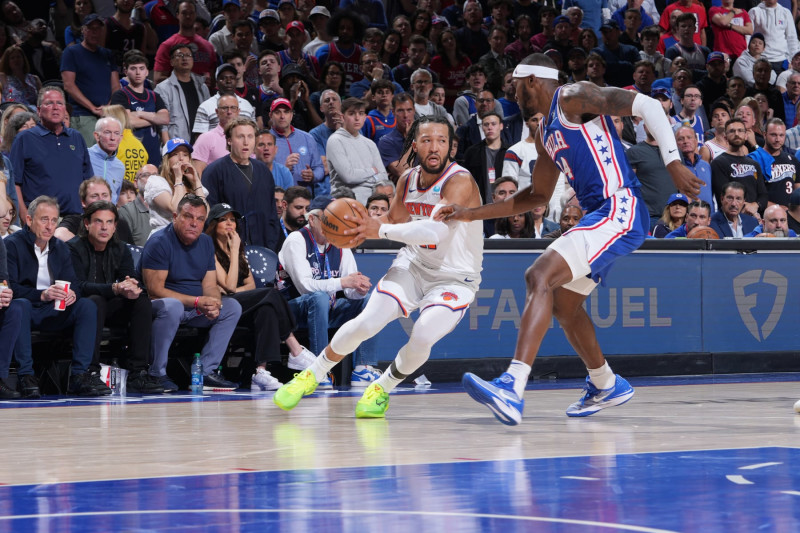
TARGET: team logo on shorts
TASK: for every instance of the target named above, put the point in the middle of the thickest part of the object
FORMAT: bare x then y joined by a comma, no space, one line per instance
448,296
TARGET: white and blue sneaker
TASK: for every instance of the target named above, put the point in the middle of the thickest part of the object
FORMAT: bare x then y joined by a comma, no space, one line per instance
364,376
326,384
595,399
498,396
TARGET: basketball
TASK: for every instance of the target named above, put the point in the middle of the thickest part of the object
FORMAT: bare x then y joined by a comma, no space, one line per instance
702,232
334,223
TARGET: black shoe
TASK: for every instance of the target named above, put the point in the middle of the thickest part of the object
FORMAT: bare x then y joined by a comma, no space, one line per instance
98,385
28,385
215,382
142,382
81,385
6,392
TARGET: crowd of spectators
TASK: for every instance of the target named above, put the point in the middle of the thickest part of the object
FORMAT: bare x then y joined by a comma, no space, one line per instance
126,121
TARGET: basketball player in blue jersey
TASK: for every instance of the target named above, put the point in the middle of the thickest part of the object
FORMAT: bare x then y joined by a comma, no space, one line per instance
575,137
437,272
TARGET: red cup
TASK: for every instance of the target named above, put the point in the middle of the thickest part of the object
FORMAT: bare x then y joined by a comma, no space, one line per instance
61,305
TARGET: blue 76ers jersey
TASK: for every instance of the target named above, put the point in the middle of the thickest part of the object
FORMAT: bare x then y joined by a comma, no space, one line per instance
590,155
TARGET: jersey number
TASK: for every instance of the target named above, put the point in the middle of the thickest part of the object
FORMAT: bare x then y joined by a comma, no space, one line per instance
565,169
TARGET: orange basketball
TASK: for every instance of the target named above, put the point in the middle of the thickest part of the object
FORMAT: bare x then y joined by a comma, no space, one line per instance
334,223
702,232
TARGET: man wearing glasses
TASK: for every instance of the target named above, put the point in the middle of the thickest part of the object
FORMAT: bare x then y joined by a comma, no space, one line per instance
107,135
182,93
692,102
421,86
207,118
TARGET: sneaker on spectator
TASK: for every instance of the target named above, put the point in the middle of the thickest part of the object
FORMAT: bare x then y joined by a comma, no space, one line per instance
167,384
363,375
144,383
6,392
28,386
83,385
263,380
327,383
214,382
98,384
302,360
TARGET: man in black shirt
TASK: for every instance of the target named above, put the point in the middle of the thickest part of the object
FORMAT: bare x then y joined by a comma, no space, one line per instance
105,274
735,165
780,167
793,215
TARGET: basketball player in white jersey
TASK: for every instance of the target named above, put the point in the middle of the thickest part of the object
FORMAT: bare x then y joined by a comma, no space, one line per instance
438,272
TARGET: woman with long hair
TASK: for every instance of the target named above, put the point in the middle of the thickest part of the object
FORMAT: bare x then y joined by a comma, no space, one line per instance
673,216
18,120
390,51
7,226
765,111
402,25
18,84
178,178
514,227
450,65
421,23
73,34
264,310
332,77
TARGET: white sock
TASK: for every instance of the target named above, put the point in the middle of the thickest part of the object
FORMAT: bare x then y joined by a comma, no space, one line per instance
321,366
520,371
388,381
603,378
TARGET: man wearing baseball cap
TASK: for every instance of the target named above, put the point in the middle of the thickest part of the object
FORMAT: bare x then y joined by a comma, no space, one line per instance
296,148
715,83
206,118
294,54
319,19
222,39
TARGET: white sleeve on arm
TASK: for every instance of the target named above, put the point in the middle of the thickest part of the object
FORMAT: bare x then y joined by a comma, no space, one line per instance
420,232
657,123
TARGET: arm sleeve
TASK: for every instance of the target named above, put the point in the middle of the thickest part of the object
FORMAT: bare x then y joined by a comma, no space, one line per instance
417,232
656,121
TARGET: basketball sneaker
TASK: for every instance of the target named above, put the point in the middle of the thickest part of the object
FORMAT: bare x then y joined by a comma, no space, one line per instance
327,383
263,380
595,399
302,360
373,403
289,395
498,395
363,375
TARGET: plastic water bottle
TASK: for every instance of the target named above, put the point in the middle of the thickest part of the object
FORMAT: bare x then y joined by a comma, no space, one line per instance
197,375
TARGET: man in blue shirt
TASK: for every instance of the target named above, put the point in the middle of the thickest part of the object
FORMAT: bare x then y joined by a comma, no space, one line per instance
687,144
90,76
775,224
297,148
50,158
390,145
108,134
180,274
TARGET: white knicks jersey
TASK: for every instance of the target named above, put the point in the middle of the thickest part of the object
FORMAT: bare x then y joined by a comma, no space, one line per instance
461,251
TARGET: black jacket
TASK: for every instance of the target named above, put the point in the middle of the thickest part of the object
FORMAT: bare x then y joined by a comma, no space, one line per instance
117,263
475,162
23,266
512,130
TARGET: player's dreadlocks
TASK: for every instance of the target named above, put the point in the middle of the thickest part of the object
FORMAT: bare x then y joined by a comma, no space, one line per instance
412,135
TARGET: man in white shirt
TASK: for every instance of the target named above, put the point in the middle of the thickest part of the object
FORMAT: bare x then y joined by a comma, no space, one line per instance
318,272
206,118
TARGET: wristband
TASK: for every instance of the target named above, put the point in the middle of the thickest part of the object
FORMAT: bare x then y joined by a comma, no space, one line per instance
180,183
196,300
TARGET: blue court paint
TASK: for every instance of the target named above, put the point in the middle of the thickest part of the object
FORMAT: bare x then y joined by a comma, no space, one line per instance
674,491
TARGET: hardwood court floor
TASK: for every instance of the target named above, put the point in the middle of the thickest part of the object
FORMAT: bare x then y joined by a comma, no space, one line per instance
685,454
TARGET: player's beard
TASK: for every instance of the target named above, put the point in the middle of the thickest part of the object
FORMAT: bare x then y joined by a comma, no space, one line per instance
435,170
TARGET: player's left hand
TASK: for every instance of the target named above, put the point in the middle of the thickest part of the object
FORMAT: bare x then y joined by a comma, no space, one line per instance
367,228
685,180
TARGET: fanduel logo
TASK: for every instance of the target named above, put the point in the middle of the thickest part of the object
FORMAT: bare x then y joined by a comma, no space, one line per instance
747,302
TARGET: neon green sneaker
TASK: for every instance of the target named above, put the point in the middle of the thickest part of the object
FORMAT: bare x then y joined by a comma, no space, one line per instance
290,394
374,402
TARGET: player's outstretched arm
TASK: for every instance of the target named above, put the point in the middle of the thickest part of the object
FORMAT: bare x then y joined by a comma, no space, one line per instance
543,182
581,99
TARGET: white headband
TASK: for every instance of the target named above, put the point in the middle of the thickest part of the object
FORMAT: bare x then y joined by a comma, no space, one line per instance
523,71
